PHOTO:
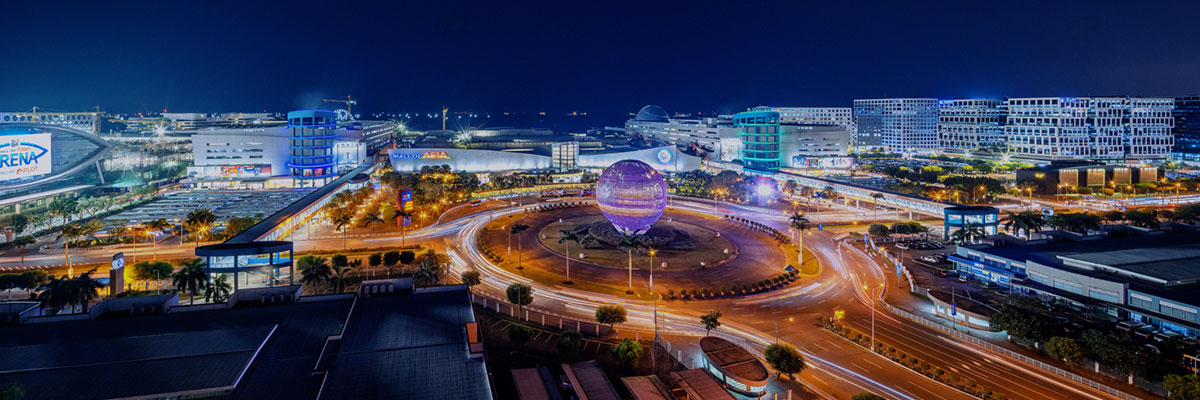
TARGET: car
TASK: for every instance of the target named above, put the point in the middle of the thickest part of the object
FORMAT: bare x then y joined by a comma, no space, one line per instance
902,246
930,259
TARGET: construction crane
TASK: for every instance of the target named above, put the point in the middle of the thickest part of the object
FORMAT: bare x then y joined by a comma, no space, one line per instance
348,102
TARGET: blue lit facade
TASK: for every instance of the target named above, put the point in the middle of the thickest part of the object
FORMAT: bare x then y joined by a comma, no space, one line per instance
759,132
958,217
311,160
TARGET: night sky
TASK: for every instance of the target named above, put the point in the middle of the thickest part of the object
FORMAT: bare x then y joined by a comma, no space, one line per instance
610,58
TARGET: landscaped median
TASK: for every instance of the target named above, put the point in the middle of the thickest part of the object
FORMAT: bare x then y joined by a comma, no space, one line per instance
935,372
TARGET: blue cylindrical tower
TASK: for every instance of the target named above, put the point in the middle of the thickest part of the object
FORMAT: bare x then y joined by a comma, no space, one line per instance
311,160
759,131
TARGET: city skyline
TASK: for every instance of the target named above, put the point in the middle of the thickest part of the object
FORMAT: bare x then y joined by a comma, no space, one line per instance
602,59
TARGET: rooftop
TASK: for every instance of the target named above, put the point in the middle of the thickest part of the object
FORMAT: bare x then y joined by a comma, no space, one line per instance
734,360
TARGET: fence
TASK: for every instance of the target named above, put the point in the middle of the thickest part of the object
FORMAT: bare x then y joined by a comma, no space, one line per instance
1009,353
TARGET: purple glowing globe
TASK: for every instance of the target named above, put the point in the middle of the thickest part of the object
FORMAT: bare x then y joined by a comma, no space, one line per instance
632,195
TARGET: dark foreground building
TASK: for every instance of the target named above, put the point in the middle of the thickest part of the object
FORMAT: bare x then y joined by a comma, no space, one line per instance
407,346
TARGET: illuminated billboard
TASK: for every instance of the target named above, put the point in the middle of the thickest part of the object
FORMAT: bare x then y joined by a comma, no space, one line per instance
24,156
822,162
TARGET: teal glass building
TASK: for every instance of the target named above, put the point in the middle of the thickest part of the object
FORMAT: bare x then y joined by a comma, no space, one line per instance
759,132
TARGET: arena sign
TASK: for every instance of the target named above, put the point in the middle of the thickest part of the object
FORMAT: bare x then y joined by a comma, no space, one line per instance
24,156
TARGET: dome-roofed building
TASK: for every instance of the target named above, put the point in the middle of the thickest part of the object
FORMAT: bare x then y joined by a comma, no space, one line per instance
652,113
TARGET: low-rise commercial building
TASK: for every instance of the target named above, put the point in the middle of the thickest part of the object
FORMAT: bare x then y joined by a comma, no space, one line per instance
1148,279
1068,177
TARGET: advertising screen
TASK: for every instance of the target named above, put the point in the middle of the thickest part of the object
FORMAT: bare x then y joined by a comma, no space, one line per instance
24,156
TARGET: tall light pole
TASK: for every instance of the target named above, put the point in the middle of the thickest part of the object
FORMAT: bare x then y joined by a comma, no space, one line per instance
630,290
871,293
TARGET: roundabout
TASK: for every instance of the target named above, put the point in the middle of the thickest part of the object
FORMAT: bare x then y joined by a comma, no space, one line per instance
606,269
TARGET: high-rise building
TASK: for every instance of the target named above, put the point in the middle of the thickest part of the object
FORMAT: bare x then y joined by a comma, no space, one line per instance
700,134
1089,128
971,123
312,160
896,124
760,135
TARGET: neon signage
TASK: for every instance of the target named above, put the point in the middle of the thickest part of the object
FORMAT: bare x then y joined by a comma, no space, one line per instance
24,156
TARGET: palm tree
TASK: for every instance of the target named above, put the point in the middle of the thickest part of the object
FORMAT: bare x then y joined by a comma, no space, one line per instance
1026,220
372,219
402,215
1075,222
428,274
85,289
54,293
191,278
799,224
340,279
21,242
829,193
969,233
568,236
314,271
153,227
218,290
342,220
68,232
876,197
1144,219
517,228
199,221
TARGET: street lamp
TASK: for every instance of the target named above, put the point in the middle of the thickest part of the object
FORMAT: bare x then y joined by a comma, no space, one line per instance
873,299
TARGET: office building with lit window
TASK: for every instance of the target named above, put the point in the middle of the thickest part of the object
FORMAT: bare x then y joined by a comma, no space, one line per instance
902,125
970,124
761,139
821,116
1090,128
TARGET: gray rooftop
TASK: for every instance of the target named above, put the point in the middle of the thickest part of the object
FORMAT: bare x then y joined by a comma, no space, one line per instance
407,347
1172,263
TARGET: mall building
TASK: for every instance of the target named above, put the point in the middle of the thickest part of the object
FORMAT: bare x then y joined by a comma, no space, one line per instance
311,150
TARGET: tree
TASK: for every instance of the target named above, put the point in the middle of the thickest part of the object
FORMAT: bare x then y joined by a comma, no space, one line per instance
341,220
519,295
568,344
519,334
627,352
199,222
1065,348
69,232
429,273
152,270
1143,219
371,220
876,197
879,231
568,236
375,260
610,314
64,207
471,279
711,321
407,257
314,271
1020,323
1075,222
390,259
968,233
1026,220
219,289
784,359
516,229
867,396
340,279
237,225
339,261
191,278
21,242
19,223
1182,387
12,391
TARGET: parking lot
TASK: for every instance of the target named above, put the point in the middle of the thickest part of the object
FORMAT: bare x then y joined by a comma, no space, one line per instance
225,204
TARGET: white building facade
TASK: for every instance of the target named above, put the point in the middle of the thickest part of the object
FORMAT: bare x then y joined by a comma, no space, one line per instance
970,124
903,125
1090,128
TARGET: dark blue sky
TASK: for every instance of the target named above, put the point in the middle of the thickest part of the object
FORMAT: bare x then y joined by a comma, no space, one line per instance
560,56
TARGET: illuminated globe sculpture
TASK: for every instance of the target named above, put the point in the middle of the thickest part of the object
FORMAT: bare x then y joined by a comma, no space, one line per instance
632,195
